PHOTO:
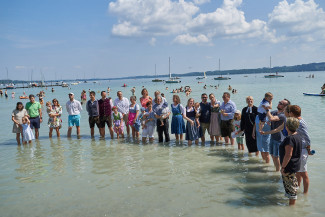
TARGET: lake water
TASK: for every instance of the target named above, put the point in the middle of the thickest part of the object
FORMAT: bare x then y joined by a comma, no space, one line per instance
93,177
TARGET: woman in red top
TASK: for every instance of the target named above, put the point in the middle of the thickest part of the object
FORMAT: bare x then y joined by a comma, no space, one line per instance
145,98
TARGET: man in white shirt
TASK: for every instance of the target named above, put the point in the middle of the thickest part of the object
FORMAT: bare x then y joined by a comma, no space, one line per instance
122,105
73,108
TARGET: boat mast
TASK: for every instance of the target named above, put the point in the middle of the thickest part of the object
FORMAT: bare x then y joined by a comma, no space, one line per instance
155,72
7,74
219,68
170,75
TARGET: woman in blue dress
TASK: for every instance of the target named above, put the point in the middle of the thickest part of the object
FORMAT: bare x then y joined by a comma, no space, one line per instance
178,124
193,124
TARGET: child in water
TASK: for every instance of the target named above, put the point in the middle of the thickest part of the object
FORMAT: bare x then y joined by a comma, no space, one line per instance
28,134
142,117
117,118
197,109
50,112
263,108
164,113
238,133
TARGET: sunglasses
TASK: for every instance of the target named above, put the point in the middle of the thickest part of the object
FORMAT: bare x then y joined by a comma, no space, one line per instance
280,103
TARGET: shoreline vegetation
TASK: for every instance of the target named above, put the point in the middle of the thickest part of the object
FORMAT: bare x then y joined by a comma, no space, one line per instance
310,67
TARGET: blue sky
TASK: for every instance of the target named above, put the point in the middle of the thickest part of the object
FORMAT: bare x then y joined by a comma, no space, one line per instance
77,38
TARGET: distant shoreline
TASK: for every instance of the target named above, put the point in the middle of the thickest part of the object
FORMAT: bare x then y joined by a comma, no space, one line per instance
311,67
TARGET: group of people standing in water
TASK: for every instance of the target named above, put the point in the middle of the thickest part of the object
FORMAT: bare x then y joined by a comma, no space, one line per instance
281,133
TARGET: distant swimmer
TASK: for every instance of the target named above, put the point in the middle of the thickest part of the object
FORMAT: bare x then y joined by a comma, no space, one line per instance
133,91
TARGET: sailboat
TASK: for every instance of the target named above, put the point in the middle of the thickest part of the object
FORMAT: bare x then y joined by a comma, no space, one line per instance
11,85
221,77
204,77
171,79
156,79
272,75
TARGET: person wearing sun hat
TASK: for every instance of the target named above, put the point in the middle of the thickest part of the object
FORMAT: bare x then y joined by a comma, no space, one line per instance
74,108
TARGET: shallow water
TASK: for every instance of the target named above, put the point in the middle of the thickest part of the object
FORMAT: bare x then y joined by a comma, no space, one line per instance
93,177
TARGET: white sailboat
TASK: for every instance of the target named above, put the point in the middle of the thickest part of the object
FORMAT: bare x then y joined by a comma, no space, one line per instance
204,77
276,75
156,79
171,79
221,77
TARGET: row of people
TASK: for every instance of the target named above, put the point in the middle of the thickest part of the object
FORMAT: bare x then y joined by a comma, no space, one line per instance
219,119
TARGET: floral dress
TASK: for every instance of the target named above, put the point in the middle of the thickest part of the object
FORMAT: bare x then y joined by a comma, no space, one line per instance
118,121
55,122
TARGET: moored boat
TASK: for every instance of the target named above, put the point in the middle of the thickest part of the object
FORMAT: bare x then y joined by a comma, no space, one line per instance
220,78
172,79
156,79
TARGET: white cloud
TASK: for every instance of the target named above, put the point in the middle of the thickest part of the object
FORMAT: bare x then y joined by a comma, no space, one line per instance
299,20
188,39
200,2
151,17
181,19
227,21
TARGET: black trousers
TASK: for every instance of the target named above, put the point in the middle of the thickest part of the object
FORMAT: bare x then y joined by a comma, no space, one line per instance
163,130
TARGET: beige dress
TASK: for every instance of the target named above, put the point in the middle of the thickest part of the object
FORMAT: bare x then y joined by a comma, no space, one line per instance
18,116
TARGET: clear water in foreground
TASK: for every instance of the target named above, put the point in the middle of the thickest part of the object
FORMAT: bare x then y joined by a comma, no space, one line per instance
85,177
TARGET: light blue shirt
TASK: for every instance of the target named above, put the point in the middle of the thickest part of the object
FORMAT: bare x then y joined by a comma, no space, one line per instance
230,109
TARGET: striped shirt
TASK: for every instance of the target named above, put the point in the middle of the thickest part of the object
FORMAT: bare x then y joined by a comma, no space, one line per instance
303,132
